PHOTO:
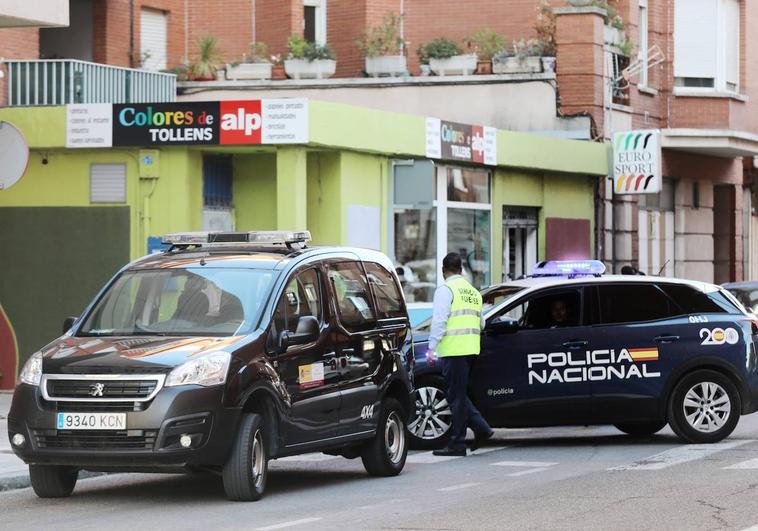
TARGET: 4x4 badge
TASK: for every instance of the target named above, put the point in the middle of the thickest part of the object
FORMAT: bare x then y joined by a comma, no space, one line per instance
96,389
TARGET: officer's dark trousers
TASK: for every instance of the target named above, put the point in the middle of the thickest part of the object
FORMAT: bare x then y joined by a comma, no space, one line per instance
455,369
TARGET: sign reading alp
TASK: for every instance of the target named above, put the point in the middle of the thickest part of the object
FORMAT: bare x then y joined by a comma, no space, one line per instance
637,162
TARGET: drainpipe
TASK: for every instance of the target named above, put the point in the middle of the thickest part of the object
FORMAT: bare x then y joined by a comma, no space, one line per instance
402,22
255,36
131,33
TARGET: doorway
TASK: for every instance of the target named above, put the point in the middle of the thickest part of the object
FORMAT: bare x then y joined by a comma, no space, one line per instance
519,241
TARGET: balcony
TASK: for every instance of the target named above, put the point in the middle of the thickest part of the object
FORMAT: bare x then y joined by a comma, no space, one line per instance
58,82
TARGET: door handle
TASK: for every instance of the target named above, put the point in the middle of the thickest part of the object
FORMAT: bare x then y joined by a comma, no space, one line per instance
575,344
666,339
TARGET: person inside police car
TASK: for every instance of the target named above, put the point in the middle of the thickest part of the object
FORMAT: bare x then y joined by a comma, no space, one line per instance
559,313
454,337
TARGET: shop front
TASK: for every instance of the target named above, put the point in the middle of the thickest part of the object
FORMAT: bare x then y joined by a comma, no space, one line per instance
104,182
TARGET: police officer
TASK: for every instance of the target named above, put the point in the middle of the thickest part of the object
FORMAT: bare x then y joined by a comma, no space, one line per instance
454,337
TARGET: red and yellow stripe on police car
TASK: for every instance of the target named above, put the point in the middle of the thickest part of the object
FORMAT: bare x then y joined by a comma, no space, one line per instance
644,354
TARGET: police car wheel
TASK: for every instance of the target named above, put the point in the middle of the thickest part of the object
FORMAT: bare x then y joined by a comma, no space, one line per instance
704,407
246,470
429,425
53,481
385,454
641,429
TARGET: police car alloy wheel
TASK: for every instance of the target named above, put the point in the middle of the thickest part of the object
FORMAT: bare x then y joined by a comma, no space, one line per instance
430,426
385,454
704,407
245,472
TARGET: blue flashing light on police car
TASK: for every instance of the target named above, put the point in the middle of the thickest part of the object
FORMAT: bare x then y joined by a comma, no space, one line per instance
568,268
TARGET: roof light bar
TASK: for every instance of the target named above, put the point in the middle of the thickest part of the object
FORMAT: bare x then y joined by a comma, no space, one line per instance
568,268
259,237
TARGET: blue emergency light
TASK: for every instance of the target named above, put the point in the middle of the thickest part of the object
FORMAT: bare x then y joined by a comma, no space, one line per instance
568,268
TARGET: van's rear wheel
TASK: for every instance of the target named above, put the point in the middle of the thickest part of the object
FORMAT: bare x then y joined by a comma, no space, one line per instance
704,407
385,454
245,472
53,481
641,429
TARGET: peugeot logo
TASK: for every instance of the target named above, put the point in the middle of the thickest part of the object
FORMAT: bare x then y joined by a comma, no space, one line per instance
96,389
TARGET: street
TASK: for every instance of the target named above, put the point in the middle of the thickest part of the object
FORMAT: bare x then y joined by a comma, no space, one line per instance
551,478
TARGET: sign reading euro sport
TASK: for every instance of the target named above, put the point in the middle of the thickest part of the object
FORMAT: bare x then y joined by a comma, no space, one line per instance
267,121
454,141
637,162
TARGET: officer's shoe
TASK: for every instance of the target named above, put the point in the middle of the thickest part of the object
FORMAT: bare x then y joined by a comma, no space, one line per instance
479,438
447,451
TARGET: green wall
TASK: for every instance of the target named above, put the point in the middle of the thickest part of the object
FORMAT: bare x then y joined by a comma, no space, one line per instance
254,189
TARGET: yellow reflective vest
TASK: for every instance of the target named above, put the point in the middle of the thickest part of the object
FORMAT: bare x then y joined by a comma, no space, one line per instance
464,324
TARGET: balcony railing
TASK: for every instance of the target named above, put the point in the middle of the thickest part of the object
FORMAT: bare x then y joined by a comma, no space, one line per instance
61,81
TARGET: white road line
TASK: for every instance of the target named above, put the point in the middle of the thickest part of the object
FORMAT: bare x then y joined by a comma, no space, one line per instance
750,464
426,458
488,449
291,523
751,528
529,464
313,458
458,487
679,455
527,471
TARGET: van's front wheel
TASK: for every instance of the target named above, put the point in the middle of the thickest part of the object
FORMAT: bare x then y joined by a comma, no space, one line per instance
53,481
245,472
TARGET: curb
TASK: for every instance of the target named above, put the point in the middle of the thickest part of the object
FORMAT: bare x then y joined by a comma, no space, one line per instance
22,481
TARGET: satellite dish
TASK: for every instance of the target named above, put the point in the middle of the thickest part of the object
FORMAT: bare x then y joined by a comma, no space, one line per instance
14,155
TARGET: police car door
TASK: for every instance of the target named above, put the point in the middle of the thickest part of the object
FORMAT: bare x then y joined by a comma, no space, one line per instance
641,334
530,372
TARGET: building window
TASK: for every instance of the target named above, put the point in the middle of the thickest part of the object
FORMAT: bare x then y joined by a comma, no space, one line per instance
707,44
107,183
459,220
619,63
153,39
314,21
643,43
218,194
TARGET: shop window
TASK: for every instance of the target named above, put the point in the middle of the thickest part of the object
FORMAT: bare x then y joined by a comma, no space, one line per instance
468,185
416,252
468,234
107,183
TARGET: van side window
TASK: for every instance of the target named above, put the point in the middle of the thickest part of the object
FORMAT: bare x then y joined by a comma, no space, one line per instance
631,303
301,297
389,301
351,289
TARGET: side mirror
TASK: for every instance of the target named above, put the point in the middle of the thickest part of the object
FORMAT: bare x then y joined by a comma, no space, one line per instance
307,332
503,325
68,322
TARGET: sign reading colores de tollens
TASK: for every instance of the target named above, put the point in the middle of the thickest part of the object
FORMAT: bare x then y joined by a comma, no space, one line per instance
462,142
637,162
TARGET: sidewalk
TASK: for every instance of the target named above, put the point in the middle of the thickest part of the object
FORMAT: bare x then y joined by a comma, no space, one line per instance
13,472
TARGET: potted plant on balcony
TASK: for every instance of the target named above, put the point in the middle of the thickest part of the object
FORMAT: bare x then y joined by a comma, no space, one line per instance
446,58
208,59
383,47
522,58
254,65
545,28
308,60
485,43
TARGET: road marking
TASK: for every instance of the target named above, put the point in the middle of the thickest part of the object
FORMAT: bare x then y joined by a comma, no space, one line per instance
426,458
751,528
488,449
313,458
750,464
291,523
679,455
458,487
529,464
527,471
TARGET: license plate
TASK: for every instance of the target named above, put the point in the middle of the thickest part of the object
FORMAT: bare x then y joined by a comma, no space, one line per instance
91,421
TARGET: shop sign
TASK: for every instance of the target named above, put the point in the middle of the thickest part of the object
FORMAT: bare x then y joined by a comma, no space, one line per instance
637,162
461,142
267,121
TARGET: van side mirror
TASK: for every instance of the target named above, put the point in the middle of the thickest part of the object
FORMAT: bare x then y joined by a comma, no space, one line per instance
307,332
503,325
68,322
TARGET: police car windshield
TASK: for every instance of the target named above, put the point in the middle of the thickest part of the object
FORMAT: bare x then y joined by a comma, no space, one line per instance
191,302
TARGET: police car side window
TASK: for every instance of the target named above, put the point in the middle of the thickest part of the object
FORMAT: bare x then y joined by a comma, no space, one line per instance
695,301
351,290
389,302
556,309
631,303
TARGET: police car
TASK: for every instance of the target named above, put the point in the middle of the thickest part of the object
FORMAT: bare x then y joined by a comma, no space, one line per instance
571,346
224,351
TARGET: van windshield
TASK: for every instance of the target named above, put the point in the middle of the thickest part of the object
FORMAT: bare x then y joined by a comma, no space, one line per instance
191,302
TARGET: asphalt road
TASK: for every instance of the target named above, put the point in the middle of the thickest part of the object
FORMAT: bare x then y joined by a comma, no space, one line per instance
562,478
